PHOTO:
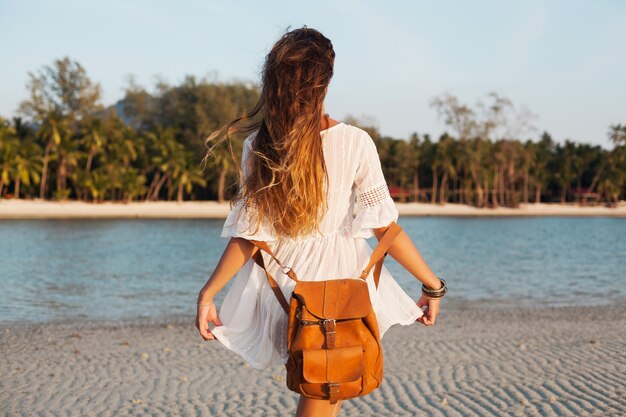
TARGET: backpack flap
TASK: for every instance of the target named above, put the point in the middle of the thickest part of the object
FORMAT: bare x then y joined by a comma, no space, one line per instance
342,364
337,299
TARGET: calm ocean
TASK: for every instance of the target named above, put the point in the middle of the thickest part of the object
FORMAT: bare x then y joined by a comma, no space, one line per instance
152,269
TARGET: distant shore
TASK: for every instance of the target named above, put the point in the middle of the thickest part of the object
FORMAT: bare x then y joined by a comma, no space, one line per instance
41,209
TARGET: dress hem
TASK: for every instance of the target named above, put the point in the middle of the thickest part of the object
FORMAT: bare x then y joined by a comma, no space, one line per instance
408,322
257,365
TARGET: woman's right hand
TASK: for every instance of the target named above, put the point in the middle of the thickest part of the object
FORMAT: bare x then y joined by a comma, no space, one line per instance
431,312
207,313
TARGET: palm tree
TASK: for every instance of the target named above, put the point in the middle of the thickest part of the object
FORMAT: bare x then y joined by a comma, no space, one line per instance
9,145
26,165
498,163
527,162
566,155
429,164
51,131
476,155
133,184
68,155
514,167
166,163
617,134
188,176
98,183
92,141
542,159
445,161
482,160
614,178
414,156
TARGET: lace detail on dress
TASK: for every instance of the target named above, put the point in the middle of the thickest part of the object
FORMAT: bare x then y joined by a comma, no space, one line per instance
250,206
374,208
374,196
242,221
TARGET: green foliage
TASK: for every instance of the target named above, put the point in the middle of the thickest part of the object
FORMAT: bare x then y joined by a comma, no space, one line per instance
149,147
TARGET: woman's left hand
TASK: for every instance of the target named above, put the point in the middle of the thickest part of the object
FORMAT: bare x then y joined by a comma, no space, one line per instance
431,312
207,313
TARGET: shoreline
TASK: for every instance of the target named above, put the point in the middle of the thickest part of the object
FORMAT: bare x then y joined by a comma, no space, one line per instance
548,361
38,209
453,305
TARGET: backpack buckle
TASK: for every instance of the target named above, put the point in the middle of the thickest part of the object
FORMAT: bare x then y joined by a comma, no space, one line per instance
333,391
329,331
329,325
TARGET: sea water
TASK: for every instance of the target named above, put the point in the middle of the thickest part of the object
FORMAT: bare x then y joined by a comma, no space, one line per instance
147,268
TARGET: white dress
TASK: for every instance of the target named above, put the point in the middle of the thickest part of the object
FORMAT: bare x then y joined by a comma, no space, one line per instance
254,323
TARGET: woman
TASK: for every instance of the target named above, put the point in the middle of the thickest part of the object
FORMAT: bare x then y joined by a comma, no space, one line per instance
305,174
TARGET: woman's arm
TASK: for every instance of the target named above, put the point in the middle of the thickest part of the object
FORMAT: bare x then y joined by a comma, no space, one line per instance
237,252
404,251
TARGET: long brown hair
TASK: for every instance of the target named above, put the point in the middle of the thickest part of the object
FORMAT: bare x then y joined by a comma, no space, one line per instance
287,178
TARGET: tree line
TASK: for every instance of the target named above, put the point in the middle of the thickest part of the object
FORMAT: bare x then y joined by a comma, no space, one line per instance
65,144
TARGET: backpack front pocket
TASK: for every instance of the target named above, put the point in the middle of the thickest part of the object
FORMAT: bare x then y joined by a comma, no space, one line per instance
340,369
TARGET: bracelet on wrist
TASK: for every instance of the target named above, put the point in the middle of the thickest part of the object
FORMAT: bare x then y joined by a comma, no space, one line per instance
430,297
431,293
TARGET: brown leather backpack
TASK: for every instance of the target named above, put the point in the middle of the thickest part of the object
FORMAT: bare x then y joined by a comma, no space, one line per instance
332,338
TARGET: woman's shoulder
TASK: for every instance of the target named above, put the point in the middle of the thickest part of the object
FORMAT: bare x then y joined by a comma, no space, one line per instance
359,135
355,140
354,131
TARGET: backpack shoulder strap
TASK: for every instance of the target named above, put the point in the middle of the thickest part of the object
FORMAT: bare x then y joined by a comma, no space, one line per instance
264,246
258,258
380,252
377,259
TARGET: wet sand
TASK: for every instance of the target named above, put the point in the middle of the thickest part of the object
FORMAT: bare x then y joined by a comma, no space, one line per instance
476,361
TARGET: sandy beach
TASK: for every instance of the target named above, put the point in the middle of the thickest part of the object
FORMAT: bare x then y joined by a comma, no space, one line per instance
39,209
477,361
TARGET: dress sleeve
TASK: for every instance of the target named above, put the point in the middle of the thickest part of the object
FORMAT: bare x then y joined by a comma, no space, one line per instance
374,206
241,220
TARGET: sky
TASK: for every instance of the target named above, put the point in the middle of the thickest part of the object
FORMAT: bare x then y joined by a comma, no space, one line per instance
564,61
